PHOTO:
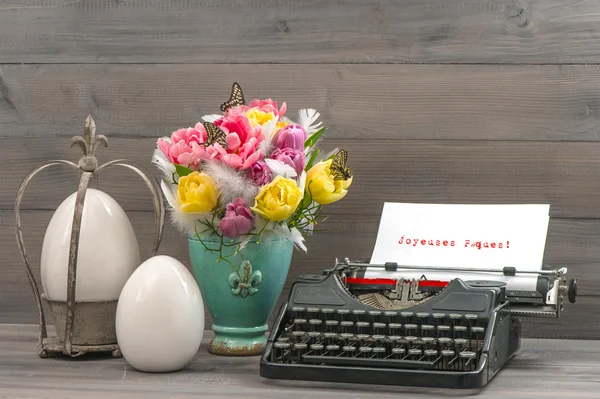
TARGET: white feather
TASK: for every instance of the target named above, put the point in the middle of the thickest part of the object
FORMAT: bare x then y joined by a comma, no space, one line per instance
302,181
278,168
293,235
307,118
268,130
211,117
160,160
231,183
325,156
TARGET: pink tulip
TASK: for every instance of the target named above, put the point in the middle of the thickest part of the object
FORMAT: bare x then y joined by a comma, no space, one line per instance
238,219
259,173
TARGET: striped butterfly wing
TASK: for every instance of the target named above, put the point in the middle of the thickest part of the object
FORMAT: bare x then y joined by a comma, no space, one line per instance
338,167
215,135
236,98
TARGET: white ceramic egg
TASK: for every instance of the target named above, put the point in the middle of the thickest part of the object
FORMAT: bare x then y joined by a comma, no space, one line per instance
108,249
160,316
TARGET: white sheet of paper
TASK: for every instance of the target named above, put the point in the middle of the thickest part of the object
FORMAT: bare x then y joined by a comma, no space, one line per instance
469,236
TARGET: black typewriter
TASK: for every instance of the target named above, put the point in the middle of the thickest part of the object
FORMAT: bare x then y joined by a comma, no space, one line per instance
343,327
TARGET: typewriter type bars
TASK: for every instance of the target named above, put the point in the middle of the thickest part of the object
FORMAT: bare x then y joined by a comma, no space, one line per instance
449,334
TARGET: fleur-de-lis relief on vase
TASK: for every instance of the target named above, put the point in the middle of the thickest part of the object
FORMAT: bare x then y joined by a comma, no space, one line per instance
244,281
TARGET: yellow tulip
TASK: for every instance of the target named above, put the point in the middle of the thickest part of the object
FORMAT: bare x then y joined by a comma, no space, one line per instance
197,193
278,200
257,118
321,185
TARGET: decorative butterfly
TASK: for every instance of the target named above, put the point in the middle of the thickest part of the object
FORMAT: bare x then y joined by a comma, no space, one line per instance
215,134
338,167
236,98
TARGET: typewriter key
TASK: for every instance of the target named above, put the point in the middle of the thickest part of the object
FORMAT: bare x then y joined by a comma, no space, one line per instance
414,353
343,314
374,313
427,330
299,350
315,324
379,352
313,313
471,317
298,312
362,338
447,359
362,327
379,338
349,351
428,342
460,331
314,337
330,338
327,313
358,314
407,316
410,341
444,342
299,324
398,353
460,344
411,328
333,350
346,337
283,339
439,318
391,315
347,326
282,351
299,335
468,360
455,317
422,317
332,325
431,354
379,328
394,327
317,349
477,334
365,351
443,330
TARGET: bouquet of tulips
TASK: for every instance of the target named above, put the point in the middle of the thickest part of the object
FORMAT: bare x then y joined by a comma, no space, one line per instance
249,172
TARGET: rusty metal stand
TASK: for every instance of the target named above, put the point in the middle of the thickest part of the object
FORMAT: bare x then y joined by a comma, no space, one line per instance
89,320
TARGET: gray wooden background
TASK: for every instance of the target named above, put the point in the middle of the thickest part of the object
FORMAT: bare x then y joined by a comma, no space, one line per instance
481,101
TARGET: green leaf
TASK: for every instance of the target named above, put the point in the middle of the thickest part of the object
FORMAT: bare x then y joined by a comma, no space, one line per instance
312,159
182,170
312,140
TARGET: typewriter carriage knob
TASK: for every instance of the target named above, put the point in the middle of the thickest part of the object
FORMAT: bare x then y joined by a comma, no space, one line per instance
569,287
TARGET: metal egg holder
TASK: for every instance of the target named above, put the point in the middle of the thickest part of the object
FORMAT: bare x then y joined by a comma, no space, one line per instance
82,327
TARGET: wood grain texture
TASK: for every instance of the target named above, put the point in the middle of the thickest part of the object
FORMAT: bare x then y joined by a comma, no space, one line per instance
436,102
562,174
540,369
307,31
571,243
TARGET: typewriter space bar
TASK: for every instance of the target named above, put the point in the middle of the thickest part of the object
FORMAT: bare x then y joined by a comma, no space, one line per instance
366,362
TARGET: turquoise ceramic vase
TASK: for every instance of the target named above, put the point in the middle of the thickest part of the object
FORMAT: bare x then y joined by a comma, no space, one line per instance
240,295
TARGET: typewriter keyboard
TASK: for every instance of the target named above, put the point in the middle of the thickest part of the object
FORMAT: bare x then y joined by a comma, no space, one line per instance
390,339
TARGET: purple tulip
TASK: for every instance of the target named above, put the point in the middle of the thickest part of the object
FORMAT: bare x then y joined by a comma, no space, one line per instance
238,219
296,159
291,136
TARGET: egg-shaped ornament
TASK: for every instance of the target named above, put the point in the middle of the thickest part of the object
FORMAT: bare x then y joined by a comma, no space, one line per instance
160,316
108,249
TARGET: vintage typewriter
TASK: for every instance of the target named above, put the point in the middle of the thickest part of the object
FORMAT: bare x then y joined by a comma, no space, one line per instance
343,327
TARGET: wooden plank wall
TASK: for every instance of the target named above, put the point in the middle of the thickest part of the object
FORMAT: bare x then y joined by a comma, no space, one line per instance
482,101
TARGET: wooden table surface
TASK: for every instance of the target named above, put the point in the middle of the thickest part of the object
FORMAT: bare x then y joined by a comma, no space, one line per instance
541,369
